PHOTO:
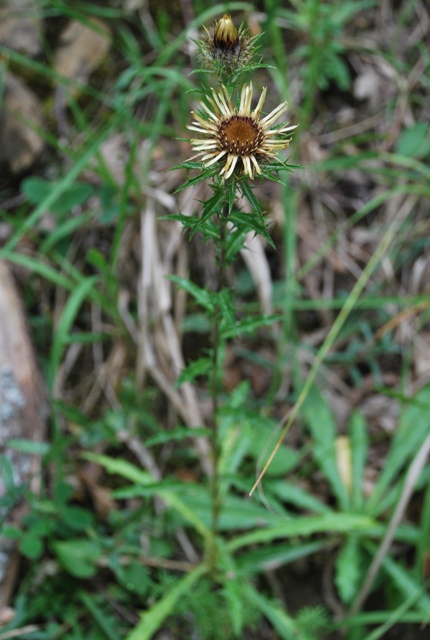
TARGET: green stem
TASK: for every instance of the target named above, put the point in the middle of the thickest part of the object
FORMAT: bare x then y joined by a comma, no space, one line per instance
215,386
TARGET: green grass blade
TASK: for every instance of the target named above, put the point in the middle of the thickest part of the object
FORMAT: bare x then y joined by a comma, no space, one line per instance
320,421
151,620
281,621
306,526
98,615
294,495
267,557
412,429
359,448
394,617
41,268
138,476
62,330
423,545
408,586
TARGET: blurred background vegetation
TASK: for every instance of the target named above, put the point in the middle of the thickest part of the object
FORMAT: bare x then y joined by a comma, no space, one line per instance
104,501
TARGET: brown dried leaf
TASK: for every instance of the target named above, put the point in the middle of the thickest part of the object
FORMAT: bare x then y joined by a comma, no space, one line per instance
20,144
101,496
82,49
421,353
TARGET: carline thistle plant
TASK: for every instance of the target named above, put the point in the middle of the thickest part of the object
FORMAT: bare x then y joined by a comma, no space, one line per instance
235,144
232,133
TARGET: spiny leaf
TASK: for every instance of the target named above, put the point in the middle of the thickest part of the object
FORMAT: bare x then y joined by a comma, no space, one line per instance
249,325
199,367
201,296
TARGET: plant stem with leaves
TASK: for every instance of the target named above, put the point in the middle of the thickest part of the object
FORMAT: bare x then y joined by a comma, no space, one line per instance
235,145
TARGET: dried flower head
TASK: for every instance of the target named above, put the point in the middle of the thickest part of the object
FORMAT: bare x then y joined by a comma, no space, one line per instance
232,134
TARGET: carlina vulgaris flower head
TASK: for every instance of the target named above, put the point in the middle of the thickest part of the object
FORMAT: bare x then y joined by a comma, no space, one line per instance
227,51
230,134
